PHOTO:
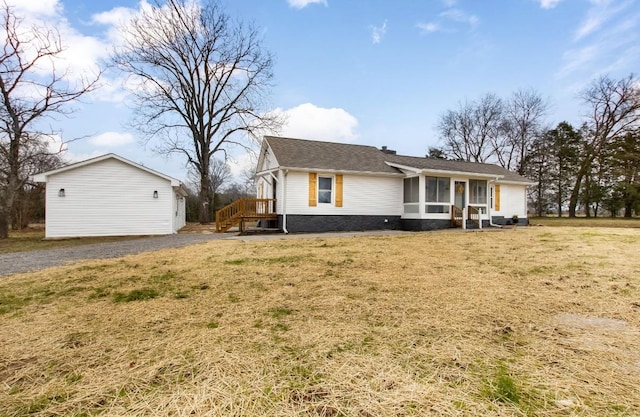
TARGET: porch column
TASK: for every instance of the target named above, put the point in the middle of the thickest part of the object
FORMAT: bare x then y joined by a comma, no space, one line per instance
464,218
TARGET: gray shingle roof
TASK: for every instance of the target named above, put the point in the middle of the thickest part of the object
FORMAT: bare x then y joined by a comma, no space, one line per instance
456,166
311,154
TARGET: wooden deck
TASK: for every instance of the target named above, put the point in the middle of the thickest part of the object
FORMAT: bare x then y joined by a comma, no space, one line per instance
245,210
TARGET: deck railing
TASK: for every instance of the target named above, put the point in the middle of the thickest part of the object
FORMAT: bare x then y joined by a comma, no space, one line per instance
475,216
243,210
457,216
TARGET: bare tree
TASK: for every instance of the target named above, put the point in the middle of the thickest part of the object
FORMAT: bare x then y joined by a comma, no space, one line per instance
28,97
614,111
202,82
471,132
523,117
219,175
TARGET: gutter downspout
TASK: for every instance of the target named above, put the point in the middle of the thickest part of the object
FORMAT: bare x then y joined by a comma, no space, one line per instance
491,223
284,202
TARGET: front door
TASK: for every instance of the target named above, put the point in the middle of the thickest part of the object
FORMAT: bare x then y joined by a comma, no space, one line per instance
459,197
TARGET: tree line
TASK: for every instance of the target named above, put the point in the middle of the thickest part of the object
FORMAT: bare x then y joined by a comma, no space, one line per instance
594,167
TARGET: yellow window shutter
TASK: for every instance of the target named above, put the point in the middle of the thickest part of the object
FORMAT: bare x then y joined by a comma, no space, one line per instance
313,189
497,198
338,190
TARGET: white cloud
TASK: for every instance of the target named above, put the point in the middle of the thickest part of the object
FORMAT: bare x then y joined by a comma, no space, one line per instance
549,4
301,4
605,41
429,27
39,7
71,157
239,165
308,121
55,144
112,139
378,32
460,16
115,16
578,58
80,54
600,12
447,20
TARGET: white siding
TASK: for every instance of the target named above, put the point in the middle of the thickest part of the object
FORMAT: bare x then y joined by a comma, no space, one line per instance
268,161
179,214
108,198
362,195
512,201
279,191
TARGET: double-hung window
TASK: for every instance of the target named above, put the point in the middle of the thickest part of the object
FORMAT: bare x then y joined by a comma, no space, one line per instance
437,191
478,194
478,191
325,189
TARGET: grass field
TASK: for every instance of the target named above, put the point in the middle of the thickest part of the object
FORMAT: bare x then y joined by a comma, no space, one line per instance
633,222
541,321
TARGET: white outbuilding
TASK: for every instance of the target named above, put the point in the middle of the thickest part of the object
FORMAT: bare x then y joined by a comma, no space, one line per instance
111,196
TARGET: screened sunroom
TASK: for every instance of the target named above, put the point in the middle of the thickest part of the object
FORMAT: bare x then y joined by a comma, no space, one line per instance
441,196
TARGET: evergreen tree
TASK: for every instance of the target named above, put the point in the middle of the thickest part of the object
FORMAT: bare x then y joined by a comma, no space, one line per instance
626,171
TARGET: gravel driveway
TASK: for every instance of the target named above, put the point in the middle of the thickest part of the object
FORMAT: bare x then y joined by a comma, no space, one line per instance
13,263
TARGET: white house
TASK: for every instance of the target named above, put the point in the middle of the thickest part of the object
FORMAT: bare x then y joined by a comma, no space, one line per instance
111,196
325,186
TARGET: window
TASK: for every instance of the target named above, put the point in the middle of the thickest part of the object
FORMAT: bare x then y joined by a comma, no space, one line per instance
325,186
411,190
478,191
438,189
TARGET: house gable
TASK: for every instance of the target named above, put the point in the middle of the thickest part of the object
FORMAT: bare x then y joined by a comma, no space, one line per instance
43,176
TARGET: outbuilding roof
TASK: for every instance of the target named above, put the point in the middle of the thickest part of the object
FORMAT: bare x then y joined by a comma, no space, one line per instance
332,156
42,177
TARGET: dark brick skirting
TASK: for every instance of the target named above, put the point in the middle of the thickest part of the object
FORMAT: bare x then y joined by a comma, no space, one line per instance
424,224
505,221
312,224
316,224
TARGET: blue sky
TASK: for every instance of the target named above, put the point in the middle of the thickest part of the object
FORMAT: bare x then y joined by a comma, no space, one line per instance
372,72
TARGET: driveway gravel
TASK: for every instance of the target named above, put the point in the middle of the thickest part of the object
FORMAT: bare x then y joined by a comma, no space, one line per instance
18,262
13,263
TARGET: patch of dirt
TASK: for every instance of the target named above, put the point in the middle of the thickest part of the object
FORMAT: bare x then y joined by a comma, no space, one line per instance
606,336
602,324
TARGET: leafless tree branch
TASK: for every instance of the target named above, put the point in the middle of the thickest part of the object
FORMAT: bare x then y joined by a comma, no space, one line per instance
201,76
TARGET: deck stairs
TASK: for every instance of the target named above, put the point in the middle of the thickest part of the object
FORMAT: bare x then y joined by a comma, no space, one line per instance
472,221
243,211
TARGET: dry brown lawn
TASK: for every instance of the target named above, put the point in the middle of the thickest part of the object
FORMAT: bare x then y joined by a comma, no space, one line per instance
586,221
529,321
